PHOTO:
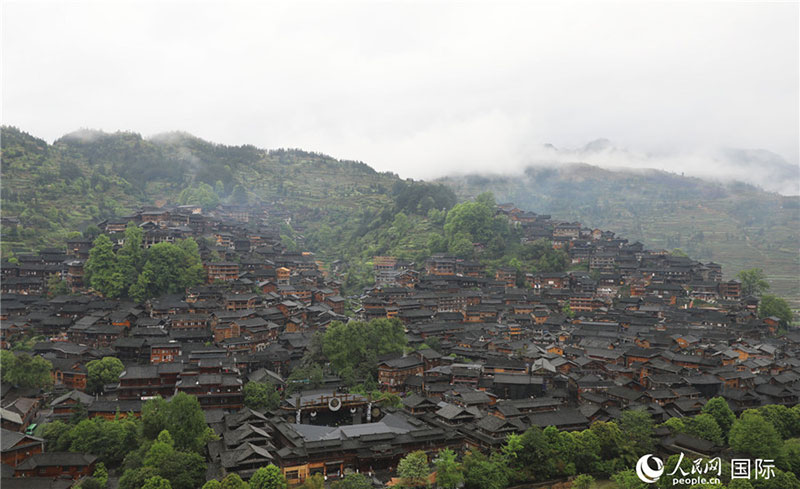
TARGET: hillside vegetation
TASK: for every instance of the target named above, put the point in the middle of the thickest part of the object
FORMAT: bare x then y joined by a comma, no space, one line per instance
345,210
737,225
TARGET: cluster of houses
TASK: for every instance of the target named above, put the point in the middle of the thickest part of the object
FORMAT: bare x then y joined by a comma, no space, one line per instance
486,357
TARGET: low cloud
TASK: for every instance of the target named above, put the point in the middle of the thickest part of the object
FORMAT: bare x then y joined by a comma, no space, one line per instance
424,89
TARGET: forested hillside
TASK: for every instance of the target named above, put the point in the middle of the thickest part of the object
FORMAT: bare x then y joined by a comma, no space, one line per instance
344,210
737,225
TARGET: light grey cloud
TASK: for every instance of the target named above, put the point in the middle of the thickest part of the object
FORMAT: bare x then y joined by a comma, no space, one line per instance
419,88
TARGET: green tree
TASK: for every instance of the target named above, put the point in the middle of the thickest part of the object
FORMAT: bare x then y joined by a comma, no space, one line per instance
610,438
482,472
448,471
701,426
160,450
583,481
461,245
55,434
212,484
472,219
90,483
202,195
718,408
25,371
353,481
101,372
156,482
91,232
785,420
261,396
627,479
136,478
100,268
789,458
772,305
637,426
100,474
269,477
130,258
169,268
184,470
233,481
355,346
110,440
316,481
306,377
754,281
56,286
413,470
754,435
182,416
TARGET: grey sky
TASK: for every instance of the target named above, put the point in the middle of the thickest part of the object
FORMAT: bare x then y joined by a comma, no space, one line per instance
418,88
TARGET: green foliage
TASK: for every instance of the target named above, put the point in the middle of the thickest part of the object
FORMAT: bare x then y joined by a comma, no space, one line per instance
212,484
169,268
718,408
261,396
100,474
184,470
785,420
789,458
353,481
482,472
130,258
156,482
233,481
772,305
55,435
421,198
353,347
100,268
316,481
269,477
304,377
637,426
110,440
25,371
754,281
135,478
90,483
701,426
448,471
755,436
56,286
202,195
583,481
101,372
627,479
413,470
163,268
472,220
182,416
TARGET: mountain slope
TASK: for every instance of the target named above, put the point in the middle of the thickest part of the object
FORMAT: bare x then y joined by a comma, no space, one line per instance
346,210
737,225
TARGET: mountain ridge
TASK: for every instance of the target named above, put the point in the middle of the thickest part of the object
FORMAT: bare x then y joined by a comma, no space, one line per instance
88,175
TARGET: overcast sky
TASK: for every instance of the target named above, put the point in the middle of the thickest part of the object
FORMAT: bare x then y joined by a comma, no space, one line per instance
418,88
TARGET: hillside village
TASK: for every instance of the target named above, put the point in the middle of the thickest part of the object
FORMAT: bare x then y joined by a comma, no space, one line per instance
489,351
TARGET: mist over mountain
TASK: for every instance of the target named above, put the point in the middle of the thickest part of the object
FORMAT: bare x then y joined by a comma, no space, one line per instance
733,223
760,167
